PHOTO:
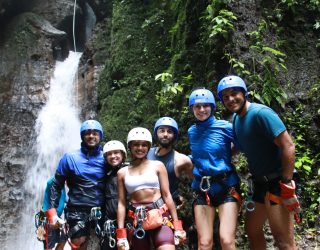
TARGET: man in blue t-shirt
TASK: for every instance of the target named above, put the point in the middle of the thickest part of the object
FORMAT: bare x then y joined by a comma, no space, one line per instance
262,137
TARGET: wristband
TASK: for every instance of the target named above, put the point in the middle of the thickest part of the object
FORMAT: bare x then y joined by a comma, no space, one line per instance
121,233
177,224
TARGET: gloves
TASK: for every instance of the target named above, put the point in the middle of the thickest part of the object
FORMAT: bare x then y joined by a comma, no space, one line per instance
122,242
53,218
289,197
179,234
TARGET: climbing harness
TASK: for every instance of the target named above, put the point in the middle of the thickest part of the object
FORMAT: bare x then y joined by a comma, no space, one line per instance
110,232
147,217
278,200
205,185
95,215
249,204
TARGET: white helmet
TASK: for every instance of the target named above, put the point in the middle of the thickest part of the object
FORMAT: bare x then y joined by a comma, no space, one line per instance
114,145
139,134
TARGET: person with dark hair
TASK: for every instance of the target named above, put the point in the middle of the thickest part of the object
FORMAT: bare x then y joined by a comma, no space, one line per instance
84,171
216,184
115,155
151,211
165,134
263,138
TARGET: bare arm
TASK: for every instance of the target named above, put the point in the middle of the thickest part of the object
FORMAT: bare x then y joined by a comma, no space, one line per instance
183,164
165,192
287,147
121,212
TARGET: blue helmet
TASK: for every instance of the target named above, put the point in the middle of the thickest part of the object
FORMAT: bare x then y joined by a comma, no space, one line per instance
91,125
202,96
231,82
166,121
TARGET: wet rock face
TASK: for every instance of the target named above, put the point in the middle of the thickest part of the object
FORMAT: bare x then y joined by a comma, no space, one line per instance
26,66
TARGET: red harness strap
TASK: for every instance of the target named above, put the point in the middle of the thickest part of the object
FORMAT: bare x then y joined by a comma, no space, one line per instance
46,228
74,246
276,199
233,192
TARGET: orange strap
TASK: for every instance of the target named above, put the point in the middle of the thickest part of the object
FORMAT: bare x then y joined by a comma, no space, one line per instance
235,194
73,246
274,198
207,199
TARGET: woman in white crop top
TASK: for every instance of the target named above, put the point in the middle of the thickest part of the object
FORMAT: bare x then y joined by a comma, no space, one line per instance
146,182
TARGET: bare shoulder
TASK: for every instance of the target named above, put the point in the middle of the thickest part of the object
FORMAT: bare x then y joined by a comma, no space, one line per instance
157,165
122,171
182,159
183,164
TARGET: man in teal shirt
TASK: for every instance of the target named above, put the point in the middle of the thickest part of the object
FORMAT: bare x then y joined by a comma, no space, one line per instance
262,137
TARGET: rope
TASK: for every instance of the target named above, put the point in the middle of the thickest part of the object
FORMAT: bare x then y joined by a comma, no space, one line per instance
73,25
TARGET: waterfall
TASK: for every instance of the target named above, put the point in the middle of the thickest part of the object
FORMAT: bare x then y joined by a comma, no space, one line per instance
58,131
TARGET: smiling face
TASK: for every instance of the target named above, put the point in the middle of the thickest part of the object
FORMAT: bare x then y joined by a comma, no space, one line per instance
202,111
165,136
233,99
91,138
114,157
139,149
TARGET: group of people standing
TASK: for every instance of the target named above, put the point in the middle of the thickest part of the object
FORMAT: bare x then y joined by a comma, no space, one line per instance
138,199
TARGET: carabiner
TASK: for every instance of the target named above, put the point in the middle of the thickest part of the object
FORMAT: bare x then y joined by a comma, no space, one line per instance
206,180
112,242
98,229
95,213
249,205
139,232
140,213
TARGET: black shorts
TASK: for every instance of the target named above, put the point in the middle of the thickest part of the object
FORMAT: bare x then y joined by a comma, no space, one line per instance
260,190
55,236
73,217
215,200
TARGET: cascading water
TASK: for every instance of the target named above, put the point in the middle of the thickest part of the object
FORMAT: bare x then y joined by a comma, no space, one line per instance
57,129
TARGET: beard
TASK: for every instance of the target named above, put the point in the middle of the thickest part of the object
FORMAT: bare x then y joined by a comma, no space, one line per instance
166,143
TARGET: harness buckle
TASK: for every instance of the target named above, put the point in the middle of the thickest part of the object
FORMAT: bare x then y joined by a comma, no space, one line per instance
205,183
81,224
95,213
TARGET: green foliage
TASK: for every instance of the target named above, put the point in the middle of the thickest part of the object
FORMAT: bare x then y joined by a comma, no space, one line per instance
306,165
169,90
299,123
220,22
